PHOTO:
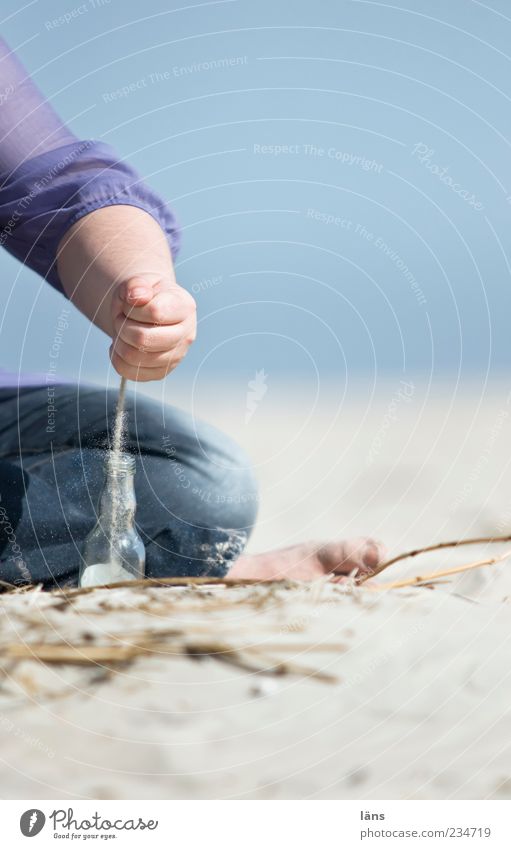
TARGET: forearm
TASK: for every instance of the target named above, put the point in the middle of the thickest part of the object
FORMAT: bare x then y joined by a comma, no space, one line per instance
105,248
115,265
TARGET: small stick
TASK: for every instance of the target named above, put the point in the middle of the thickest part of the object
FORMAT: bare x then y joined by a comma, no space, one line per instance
426,579
172,582
99,655
436,547
72,592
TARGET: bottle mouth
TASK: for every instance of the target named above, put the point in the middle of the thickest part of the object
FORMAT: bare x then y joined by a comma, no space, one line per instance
120,462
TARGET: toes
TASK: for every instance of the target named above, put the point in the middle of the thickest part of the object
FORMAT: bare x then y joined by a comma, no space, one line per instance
374,554
363,554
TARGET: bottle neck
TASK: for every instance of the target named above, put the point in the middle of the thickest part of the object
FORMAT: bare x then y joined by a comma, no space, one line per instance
118,503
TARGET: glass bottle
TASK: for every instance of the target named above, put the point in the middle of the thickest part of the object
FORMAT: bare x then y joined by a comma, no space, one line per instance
113,550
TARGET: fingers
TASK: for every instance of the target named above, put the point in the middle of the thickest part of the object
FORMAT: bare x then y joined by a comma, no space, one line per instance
146,338
171,306
154,325
142,358
136,292
166,364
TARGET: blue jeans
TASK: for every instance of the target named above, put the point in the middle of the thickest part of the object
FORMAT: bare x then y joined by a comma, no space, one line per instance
196,493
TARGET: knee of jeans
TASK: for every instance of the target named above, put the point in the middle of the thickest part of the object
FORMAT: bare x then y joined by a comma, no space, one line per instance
204,460
231,472
238,496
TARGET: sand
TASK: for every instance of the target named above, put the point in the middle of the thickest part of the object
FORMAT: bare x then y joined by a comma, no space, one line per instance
318,691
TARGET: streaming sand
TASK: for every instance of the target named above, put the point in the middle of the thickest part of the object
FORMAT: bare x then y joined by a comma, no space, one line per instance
115,456
314,692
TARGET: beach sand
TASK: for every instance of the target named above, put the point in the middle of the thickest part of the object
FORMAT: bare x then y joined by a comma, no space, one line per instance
286,692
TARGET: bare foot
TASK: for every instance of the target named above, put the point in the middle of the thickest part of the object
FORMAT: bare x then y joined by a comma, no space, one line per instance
309,561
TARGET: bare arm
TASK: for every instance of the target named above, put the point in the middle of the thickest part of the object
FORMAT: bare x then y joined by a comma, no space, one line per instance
121,239
115,266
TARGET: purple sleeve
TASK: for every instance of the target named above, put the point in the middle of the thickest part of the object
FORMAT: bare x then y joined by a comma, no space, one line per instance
49,179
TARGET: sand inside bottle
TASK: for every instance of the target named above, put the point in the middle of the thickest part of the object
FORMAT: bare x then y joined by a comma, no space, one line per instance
104,573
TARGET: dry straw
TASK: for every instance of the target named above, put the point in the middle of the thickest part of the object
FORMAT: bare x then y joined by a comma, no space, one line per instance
437,547
270,657
72,592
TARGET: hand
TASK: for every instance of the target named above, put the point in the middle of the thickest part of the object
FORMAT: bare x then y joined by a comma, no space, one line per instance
154,323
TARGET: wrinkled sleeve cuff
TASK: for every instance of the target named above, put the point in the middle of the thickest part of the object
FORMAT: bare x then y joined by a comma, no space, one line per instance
46,195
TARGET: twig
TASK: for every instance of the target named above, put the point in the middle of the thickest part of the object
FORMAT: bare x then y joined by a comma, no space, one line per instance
426,579
436,547
170,582
87,655
71,592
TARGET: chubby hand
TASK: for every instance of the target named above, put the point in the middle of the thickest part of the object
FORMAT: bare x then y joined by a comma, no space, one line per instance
154,323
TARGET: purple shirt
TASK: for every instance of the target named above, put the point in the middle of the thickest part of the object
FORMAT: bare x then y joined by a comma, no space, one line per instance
49,179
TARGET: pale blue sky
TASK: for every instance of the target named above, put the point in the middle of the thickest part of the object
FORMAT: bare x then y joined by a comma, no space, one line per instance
368,257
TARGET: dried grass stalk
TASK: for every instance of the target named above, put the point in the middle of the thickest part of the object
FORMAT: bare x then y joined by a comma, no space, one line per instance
244,657
436,547
67,593
72,592
433,576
